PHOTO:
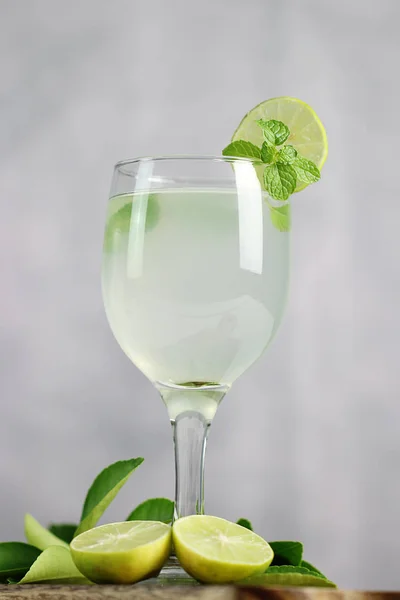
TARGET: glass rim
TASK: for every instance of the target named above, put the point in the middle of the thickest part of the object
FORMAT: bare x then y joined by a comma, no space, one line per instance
200,157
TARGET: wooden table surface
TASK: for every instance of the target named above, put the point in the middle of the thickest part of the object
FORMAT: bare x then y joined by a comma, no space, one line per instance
206,592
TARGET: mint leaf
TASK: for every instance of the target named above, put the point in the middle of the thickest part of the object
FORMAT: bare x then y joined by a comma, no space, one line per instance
16,559
287,553
119,222
280,181
103,491
279,130
306,170
54,565
268,153
245,523
289,576
280,217
311,567
242,149
286,155
155,509
64,531
39,536
268,134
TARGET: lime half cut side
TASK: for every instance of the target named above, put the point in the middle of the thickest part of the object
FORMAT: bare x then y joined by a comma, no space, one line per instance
213,550
124,552
307,134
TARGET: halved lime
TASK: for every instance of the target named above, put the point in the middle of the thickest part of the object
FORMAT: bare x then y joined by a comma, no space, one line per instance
307,134
213,550
122,552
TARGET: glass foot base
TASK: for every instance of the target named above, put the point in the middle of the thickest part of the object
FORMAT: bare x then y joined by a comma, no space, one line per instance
172,574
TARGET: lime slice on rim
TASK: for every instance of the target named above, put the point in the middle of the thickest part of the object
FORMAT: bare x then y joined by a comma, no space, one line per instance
213,550
307,134
122,552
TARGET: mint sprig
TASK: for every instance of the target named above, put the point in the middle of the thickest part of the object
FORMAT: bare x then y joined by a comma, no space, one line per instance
275,132
280,180
242,149
284,166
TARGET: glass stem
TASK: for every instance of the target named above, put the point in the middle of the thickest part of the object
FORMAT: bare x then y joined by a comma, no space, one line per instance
190,430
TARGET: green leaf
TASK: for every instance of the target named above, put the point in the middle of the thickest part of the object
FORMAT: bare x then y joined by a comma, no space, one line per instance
280,181
287,155
287,553
306,170
268,153
154,509
289,576
39,536
103,491
268,134
242,149
119,222
16,559
54,565
279,130
245,523
311,567
64,531
281,217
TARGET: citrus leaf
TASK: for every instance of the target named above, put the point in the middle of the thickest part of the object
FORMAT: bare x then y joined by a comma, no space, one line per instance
39,536
287,553
311,567
54,565
280,181
242,149
154,509
245,523
16,559
103,491
289,576
64,531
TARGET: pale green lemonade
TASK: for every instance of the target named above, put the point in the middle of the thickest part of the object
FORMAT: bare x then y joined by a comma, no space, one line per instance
195,291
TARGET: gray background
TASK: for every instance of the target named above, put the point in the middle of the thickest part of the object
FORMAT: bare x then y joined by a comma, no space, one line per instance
307,444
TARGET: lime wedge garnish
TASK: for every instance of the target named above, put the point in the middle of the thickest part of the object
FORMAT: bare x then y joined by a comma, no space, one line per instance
213,550
122,552
307,134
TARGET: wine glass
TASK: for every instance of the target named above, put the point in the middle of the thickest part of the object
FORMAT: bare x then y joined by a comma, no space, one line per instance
195,278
